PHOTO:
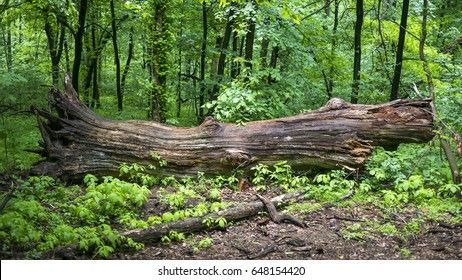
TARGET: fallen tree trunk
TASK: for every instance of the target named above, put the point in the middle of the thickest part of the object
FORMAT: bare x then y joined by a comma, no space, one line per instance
340,134
236,213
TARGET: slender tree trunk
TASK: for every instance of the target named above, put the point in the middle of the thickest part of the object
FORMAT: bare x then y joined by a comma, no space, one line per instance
91,61
384,60
399,51
241,54
116,57
78,44
264,53
202,65
333,48
249,42
357,48
7,44
273,62
234,64
66,54
222,58
95,100
8,49
131,46
55,47
327,7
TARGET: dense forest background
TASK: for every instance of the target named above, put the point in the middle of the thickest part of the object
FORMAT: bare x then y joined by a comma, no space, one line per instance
178,61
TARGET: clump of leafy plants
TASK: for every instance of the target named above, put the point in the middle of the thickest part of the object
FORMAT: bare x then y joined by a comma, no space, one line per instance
45,215
413,174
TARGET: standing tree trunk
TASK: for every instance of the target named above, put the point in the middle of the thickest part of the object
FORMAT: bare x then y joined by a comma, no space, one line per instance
91,56
6,36
357,58
264,53
78,44
203,55
384,60
333,48
223,50
66,56
338,135
55,46
273,63
131,46
399,51
235,64
116,57
249,41
160,43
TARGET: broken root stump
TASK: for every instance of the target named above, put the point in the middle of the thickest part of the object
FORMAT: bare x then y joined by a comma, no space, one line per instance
188,225
340,134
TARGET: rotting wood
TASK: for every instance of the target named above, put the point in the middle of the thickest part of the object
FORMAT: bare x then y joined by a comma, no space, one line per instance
235,213
340,134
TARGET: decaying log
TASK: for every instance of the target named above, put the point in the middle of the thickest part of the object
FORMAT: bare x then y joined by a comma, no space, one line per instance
340,134
235,213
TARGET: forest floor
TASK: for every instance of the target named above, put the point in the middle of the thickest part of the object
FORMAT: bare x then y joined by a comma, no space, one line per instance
352,231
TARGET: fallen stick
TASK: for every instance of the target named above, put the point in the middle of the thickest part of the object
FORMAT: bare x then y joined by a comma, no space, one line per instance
277,217
238,212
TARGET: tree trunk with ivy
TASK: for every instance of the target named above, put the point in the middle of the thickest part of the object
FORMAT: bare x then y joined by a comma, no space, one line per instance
160,45
340,134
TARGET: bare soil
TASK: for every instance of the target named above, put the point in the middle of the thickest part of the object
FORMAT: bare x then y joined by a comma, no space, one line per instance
323,238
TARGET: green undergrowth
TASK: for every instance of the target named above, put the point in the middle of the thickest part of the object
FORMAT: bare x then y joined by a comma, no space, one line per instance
45,215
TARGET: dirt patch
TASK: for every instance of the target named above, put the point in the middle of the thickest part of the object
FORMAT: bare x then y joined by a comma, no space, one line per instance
355,232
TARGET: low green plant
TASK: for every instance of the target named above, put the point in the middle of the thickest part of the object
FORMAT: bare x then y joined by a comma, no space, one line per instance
137,173
202,244
44,215
405,253
413,227
353,232
173,236
388,229
205,243
330,187
303,208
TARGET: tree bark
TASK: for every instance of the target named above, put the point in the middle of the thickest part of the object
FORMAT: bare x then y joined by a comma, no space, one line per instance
160,44
78,46
249,42
383,45
273,63
399,51
357,57
131,46
223,50
6,36
203,56
338,135
55,48
333,49
264,53
116,57
234,63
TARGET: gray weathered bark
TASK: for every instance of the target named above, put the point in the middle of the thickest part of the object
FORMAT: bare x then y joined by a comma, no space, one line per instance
338,135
